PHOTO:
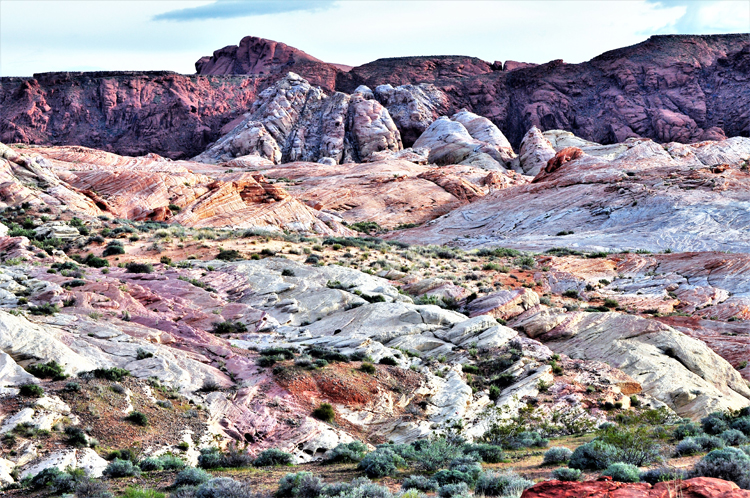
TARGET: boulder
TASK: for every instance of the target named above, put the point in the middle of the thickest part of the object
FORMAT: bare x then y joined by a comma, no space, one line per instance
504,304
11,374
85,459
535,151
412,107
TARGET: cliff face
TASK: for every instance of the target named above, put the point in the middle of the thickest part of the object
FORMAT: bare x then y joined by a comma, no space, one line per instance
668,88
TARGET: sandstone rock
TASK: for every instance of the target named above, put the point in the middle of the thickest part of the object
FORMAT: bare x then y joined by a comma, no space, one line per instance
535,151
6,467
673,368
484,130
85,459
295,121
449,142
504,304
412,107
57,230
646,198
11,374
699,487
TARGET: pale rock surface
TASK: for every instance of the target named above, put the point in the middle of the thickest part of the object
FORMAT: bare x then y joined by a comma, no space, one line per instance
12,374
673,368
484,130
535,151
412,107
86,459
504,304
6,467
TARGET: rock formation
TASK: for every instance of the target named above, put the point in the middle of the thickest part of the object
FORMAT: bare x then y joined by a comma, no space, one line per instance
294,121
647,197
668,88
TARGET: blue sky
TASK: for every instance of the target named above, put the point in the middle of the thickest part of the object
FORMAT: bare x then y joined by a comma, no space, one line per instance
58,35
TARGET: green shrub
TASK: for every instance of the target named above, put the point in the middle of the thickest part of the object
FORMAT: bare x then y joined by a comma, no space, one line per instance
730,464
566,474
742,424
688,446
456,490
112,249
31,390
461,470
381,462
121,468
557,455
150,464
300,485
685,429
715,423
388,360
229,327
50,370
114,374
709,443
210,458
663,474
44,309
501,484
324,412
137,418
45,478
327,354
368,368
487,453
191,477
595,455
171,462
139,267
131,492
622,472
733,437
229,255
352,452
273,457
422,483
76,437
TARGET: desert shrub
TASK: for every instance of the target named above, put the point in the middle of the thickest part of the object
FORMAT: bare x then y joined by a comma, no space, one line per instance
171,462
150,464
742,424
556,455
622,472
635,444
733,437
368,368
526,439
114,374
324,412
91,488
45,478
422,483
688,446
229,255
487,453
388,360
139,268
453,490
76,436
121,468
709,443
327,354
31,390
50,370
347,453
381,462
131,492
229,327
110,250
236,458
44,309
124,454
137,418
595,455
501,484
715,423
67,481
686,429
662,474
210,458
191,477
299,485
435,454
272,457
461,470
223,487
730,464
566,474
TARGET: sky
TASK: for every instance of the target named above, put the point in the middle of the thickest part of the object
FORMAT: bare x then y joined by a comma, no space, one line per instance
58,35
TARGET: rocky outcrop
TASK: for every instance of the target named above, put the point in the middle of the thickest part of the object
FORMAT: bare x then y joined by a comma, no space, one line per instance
294,121
450,142
535,151
605,100
677,370
699,487
412,107
648,197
